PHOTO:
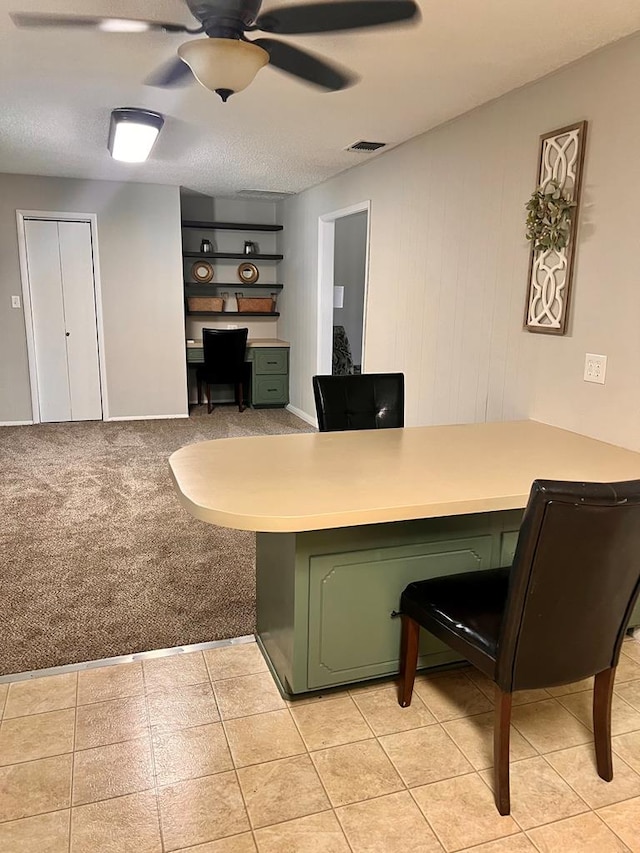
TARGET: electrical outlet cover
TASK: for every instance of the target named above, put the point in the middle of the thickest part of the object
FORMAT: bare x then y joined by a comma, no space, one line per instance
595,368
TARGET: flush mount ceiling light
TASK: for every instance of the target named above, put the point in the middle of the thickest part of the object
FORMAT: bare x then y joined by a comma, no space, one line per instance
223,65
132,133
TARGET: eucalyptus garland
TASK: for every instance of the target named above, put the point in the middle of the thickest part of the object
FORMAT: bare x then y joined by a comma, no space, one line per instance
549,214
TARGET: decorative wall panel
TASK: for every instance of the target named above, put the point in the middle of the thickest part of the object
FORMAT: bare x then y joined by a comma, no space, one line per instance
551,270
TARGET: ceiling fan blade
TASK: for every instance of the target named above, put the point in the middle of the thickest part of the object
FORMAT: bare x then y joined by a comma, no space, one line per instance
303,64
114,25
330,17
175,72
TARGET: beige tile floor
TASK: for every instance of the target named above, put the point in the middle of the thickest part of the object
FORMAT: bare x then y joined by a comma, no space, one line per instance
198,752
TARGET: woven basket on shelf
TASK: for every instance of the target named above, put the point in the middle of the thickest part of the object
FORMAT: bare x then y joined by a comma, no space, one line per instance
255,304
205,303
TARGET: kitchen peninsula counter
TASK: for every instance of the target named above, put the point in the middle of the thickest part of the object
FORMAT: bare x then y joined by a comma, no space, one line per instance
345,520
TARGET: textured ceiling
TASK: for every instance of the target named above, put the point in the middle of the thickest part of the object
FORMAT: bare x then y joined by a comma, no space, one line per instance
57,89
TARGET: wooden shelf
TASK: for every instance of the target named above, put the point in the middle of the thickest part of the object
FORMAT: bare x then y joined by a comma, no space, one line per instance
236,313
196,288
229,226
232,256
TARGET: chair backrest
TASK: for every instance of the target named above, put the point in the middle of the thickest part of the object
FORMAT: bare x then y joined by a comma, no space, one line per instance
573,584
224,353
362,401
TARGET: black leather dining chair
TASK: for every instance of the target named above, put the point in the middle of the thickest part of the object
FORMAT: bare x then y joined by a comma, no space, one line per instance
558,615
224,364
360,401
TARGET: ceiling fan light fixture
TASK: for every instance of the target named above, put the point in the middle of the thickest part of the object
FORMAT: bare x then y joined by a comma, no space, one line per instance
132,133
223,65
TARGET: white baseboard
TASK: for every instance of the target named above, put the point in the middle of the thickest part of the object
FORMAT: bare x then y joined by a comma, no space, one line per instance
310,419
147,417
15,423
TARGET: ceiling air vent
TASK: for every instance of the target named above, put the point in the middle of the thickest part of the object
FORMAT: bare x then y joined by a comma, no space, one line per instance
363,145
264,195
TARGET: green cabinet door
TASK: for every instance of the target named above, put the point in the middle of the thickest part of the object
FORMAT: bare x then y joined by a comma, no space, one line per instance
352,633
508,542
272,360
269,376
270,390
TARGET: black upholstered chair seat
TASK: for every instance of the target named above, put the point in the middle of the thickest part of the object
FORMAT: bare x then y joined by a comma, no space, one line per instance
463,610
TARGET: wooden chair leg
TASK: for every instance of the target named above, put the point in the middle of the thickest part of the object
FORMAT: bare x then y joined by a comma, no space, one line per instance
209,400
501,731
199,392
239,392
408,659
602,696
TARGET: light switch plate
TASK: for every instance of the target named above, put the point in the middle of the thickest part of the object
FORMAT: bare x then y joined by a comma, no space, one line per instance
15,301
595,368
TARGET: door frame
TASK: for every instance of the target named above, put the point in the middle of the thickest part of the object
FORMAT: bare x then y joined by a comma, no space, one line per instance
326,252
59,216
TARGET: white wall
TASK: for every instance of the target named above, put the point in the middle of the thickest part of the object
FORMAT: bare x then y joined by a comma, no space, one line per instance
349,270
141,275
448,261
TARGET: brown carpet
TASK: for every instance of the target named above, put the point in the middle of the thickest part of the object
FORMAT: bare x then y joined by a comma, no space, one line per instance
98,558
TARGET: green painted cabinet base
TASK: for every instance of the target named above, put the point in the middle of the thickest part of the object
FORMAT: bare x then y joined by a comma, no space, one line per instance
269,376
269,386
327,600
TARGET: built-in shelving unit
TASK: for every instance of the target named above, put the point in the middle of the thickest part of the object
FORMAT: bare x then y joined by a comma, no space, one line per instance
213,287
234,313
195,289
228,226
231,256
269,384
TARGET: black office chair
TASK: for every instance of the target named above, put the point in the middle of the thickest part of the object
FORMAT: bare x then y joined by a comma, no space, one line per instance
558,615
224,364
362,401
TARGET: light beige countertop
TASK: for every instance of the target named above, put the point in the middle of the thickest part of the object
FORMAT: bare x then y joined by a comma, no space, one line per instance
252,342
315,481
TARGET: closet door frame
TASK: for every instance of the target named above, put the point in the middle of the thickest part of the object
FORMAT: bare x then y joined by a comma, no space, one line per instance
58,216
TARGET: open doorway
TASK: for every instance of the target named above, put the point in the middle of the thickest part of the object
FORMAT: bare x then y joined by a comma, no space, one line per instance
349,280
343,253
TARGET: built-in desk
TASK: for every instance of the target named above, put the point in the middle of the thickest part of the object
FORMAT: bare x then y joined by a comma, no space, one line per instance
269,360
345,520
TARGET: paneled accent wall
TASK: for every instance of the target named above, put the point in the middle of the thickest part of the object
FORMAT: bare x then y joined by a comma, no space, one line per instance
448,261
446,271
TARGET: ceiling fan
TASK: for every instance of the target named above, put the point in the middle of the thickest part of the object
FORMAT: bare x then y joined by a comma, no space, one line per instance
226,61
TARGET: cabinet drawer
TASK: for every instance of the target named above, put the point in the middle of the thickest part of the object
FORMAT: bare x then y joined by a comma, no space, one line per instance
270,390
195,355
271,361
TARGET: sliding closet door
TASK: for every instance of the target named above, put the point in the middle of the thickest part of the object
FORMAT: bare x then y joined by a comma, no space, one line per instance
60,269
47,307
76,261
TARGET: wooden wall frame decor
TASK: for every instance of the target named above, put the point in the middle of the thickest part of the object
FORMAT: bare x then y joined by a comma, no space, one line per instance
561,158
